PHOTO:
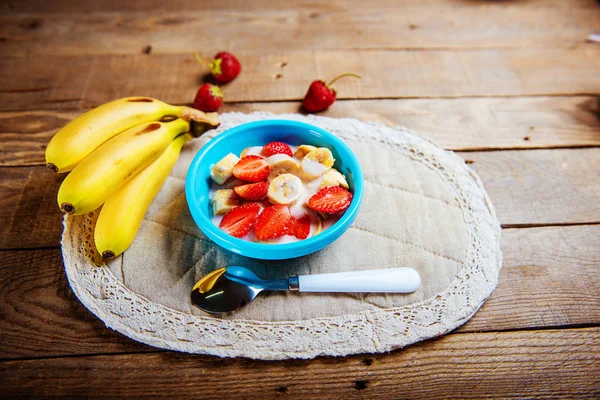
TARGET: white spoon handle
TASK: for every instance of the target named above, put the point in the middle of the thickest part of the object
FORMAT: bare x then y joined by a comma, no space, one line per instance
393,280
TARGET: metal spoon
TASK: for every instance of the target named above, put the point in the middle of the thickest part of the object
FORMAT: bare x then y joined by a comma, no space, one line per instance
229,289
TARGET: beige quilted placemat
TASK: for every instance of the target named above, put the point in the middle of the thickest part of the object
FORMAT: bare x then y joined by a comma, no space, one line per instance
423,208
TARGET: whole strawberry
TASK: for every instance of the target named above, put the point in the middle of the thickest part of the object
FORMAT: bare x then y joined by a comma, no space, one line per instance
208,98
224,66
321,95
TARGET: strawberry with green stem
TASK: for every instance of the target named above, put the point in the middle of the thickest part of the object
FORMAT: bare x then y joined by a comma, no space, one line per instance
224,66
321,95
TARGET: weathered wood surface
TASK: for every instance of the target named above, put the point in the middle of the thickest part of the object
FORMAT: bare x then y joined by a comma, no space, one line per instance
540,364
47,81
549,279
456,124
534,187
307,26
70,6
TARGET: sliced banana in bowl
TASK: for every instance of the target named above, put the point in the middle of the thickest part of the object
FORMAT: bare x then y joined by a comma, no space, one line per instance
317,162
285,189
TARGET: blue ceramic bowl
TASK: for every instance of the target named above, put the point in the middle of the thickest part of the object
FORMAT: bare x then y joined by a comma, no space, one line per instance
234,140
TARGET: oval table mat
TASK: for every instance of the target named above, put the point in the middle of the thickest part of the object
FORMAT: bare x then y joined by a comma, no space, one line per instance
423,208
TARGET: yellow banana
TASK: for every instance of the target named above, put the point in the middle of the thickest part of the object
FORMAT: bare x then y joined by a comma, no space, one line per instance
122,214
84,134
114,163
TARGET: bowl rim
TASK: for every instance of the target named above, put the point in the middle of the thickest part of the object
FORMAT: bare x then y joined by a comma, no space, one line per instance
273,251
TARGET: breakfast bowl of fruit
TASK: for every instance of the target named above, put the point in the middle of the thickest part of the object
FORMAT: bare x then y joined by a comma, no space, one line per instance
274,189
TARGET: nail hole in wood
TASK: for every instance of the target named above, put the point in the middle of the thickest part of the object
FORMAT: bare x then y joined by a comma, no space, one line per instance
412,27
278,76
361,385
526,138
368,362
283,65
32,24
281,390
313,15
469,161
147,49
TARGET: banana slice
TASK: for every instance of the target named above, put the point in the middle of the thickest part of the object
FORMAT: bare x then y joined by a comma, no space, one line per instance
317,162
285,189
333,177
303,150
280,164
223,170
319,227
223,201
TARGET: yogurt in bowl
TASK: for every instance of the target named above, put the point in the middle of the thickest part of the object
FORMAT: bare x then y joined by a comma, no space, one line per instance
200,188
298,186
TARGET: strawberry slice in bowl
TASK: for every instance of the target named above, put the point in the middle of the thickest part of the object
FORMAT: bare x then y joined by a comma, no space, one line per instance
273,222
252,191
330,200
251,169
239,221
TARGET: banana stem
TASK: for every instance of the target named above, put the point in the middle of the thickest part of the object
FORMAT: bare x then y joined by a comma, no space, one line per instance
343,75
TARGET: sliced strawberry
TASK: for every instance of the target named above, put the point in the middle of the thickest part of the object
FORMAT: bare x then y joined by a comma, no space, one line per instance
273,222
240,220
330,200
251,169
301,227
273,148
252,191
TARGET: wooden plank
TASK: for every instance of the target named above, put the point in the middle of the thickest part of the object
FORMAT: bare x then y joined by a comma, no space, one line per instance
550,363
182,30
69,6
545,186
537,187
456,124
549,279
41,315
44,81
29,215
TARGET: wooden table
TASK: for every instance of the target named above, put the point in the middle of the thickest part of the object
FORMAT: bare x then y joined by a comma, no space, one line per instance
512,86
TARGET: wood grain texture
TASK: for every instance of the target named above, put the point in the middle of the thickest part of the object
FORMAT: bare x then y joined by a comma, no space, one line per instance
29,214
546,186
456,124
408,27
549,279
47,81
41,315
484,365
526,187
70,6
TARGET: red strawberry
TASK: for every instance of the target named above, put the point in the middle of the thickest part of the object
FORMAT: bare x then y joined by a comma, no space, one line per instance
321,95
208,98
224,66
251,169
330,200
273,148
252,191
273,222
301,227
240,220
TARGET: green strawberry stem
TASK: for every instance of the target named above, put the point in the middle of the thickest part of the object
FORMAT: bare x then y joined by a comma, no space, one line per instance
341,76
201,61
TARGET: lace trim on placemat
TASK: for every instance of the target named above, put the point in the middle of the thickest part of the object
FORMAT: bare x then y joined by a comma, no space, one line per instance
365,332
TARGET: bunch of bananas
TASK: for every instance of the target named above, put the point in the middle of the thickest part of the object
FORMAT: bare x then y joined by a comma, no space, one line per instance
119,155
